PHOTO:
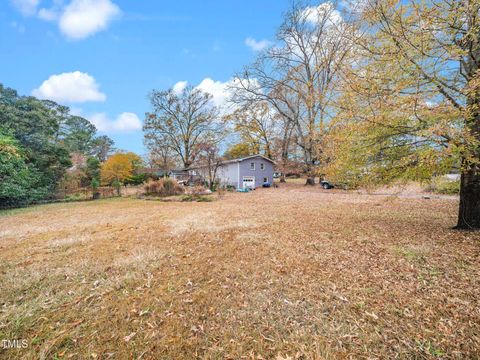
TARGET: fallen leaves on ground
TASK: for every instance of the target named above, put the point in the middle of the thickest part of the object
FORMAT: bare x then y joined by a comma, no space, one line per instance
288,273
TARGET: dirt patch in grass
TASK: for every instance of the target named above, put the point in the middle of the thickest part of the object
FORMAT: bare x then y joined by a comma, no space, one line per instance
293,272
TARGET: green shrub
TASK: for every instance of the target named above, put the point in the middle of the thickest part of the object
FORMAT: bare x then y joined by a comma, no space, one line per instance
19,181
95,184
136,179
197,198
444,186
74,197
163,187
117,185
449,188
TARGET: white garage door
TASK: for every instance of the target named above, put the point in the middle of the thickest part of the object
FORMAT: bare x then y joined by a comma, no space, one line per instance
249,182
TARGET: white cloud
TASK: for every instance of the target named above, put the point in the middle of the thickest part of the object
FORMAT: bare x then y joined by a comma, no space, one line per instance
78,19
26,7
125,122
72,87
219,90
257,45
179,86
323,12
48,14
82,18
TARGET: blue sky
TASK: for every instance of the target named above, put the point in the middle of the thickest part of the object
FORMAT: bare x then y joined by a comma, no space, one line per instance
117,51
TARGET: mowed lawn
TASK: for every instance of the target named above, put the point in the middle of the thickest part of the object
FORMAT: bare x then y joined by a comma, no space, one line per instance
288,273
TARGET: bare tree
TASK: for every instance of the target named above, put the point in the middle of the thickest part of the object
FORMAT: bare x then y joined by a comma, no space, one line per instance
182,121
160,153
256,126
282,145
209,161
298,76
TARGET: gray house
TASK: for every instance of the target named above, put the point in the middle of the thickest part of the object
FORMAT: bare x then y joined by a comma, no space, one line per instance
251,171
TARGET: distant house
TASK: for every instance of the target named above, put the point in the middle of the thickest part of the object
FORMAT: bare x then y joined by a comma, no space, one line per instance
152,172
251,171
179,175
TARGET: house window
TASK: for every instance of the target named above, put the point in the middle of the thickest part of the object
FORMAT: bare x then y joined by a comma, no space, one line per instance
262,166
252,166
265,180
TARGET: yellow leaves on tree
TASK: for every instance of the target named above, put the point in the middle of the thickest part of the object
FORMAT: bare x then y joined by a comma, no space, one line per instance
119,167
255,125
134,159
240,150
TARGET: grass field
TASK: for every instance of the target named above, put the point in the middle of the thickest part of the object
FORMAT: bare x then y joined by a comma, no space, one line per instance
288,273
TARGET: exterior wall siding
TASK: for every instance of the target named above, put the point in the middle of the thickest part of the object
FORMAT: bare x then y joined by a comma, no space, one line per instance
228,174
233,173
259,174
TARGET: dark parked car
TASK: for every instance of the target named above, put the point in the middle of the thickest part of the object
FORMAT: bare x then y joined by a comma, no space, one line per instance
326,185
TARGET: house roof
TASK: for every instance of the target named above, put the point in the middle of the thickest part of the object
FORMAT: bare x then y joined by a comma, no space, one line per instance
235,161
158,171
147,170
248,157
178,171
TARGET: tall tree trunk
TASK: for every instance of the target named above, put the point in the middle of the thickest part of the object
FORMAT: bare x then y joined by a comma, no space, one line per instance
310,167
285,148
310,176
284,165
469,212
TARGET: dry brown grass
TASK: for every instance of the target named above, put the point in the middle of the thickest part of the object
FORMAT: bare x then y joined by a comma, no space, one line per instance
293,272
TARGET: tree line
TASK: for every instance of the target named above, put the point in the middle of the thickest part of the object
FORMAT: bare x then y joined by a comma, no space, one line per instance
367,92
39,141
